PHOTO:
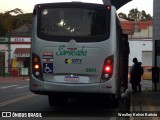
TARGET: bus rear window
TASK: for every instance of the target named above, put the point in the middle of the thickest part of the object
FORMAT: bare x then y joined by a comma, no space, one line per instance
73,22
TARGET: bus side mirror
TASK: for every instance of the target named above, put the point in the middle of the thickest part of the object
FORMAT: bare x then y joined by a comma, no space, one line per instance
155,74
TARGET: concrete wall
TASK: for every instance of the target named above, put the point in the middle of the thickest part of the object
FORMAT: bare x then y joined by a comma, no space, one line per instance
144,33
137,47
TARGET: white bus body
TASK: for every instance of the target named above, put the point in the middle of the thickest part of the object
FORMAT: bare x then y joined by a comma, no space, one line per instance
77,49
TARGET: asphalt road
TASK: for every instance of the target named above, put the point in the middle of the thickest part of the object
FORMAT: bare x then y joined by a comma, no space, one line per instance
16,97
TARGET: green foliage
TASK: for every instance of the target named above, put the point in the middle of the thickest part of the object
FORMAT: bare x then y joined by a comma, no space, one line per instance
13,19
136,15
122,15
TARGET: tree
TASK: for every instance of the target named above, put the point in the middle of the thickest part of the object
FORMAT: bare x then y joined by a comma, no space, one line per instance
122,15
136,15
145,16
5,23
13,19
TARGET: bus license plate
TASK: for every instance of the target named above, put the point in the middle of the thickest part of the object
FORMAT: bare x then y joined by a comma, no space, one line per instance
71,79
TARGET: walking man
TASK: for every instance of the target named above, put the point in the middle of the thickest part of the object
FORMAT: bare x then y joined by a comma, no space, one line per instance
135,73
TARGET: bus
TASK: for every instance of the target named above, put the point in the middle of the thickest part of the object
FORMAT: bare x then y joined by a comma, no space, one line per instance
78,50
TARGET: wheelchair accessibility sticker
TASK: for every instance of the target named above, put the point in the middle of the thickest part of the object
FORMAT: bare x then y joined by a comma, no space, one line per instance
47,67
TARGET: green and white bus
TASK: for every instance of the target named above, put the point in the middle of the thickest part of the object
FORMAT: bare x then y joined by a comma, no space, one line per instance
78,49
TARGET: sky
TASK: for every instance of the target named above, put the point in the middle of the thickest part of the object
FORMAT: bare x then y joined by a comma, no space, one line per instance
28,5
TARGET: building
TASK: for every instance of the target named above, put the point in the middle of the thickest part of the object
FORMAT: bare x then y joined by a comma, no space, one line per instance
140,40
20,50
138,30
20,54
15,52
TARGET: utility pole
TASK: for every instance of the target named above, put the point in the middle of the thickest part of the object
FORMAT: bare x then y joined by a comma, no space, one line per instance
9,53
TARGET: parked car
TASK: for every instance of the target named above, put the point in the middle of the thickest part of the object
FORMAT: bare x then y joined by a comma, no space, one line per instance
147,74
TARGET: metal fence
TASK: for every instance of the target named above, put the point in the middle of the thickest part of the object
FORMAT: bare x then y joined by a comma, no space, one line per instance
15,72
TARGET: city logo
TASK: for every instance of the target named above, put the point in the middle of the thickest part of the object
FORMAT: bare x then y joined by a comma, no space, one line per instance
68,61
73,61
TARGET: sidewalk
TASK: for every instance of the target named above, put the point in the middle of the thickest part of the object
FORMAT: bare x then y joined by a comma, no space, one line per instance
13,79
147,104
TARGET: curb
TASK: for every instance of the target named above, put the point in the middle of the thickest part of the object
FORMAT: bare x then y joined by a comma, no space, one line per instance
13,79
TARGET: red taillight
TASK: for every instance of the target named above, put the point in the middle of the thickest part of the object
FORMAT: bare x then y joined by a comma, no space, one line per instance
108,62
107,69
36,69
35,59
109,7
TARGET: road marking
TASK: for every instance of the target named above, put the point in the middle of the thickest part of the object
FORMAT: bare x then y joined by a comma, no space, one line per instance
16,100
8,86
22,87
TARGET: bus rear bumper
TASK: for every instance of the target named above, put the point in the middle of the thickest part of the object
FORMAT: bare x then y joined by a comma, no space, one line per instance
46,87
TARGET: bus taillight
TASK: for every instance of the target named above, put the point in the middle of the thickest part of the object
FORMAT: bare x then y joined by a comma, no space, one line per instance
107,69
36,67
108,7
36,59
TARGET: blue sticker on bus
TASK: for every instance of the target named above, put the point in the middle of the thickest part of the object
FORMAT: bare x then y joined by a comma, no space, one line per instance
47,67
